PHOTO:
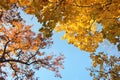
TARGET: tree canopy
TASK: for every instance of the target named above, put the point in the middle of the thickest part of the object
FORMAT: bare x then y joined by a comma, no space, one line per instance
78,18
20,48
86,23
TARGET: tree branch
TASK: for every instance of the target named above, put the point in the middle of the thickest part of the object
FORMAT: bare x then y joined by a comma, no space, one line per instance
19,54
13,60
32,57
4,51
14,70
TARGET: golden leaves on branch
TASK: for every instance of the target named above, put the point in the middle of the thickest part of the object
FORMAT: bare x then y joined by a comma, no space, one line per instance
25,2
105,67
85,38
30,10
82,13
2,29
13,1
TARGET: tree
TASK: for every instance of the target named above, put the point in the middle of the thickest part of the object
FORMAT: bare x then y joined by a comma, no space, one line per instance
79,19
105,67
20,49
82,22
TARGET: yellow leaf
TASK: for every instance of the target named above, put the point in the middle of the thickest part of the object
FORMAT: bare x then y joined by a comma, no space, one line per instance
25,2
13,1
30,10
2,29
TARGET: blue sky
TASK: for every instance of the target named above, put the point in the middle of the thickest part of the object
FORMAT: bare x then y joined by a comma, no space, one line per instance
76,61
75,64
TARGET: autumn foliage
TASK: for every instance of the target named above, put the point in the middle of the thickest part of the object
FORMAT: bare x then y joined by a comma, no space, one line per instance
20,49
86,24
81,22
105,67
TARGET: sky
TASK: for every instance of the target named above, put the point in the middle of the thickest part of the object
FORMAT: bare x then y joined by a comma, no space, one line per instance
76,61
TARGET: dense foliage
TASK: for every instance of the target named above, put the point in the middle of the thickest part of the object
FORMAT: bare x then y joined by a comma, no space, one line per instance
86,23
20,49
